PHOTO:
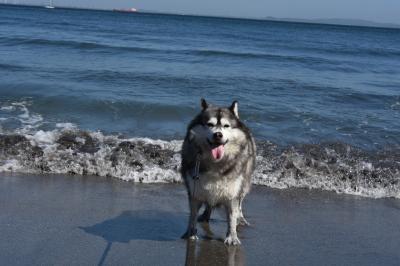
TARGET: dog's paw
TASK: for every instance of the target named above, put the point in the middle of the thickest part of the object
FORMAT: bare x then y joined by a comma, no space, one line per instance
230,240
194,237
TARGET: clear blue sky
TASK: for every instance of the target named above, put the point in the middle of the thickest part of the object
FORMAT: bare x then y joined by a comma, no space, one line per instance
375,10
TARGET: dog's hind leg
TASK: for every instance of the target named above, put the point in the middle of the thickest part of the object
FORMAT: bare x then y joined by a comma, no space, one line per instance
205,217
241,219
232,213
194,209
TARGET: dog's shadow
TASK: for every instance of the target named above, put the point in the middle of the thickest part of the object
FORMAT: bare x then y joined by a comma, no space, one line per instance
164,226
138,225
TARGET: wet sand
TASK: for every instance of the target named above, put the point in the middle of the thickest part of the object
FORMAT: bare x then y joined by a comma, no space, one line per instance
71,220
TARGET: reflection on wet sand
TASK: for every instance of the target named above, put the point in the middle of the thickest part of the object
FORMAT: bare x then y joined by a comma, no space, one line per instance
211,251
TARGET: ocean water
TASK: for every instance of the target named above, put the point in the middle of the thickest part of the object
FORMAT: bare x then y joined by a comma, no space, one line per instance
110,94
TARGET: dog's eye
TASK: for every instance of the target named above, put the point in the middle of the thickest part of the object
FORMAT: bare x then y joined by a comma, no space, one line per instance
226,126
210,124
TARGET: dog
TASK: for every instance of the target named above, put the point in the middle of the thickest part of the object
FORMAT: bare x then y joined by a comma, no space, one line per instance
218,159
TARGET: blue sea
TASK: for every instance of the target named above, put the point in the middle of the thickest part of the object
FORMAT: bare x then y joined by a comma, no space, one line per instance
94,92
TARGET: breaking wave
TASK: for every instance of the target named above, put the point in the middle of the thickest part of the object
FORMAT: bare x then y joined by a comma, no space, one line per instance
27,145
332,166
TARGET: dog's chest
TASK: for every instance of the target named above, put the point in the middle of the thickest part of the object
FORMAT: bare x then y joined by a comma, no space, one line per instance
215,189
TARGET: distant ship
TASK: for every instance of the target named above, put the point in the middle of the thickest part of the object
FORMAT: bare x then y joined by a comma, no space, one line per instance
127,10
50,5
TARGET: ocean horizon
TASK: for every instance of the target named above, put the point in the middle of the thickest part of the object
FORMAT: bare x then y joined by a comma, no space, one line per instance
331,21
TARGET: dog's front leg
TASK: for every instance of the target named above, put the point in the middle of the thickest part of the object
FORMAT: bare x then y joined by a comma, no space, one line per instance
232,214
194,209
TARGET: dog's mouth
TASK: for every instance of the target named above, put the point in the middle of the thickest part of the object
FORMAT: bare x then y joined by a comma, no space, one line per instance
217,149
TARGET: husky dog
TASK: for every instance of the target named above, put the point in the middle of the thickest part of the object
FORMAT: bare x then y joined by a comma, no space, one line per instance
218,159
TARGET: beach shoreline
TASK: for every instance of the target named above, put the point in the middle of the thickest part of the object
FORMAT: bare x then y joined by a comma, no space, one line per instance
61,219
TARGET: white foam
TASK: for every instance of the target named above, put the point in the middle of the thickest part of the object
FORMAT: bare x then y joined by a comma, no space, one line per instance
66,126
66,161
174,145
12,165
43,138
264,175
19,111
7,108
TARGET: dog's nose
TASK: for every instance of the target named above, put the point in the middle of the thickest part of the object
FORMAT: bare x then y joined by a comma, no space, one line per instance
218,135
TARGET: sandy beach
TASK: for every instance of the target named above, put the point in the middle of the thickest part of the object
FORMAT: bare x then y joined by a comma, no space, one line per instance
74,220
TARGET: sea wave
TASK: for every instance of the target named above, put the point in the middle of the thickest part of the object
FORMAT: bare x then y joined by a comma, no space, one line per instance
12,67
299,59
331,166
81,45
331,64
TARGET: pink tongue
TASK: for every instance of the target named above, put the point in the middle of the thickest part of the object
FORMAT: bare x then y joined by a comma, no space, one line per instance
218,152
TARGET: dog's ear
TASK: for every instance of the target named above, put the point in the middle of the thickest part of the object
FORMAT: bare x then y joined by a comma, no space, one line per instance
234,108
204,104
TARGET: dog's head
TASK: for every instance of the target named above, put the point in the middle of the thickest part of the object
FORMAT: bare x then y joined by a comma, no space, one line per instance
217,131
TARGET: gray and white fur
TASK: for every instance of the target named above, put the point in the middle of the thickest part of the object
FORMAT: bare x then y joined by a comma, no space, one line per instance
226,152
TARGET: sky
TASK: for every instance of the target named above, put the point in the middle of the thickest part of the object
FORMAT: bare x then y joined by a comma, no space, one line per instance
375,10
